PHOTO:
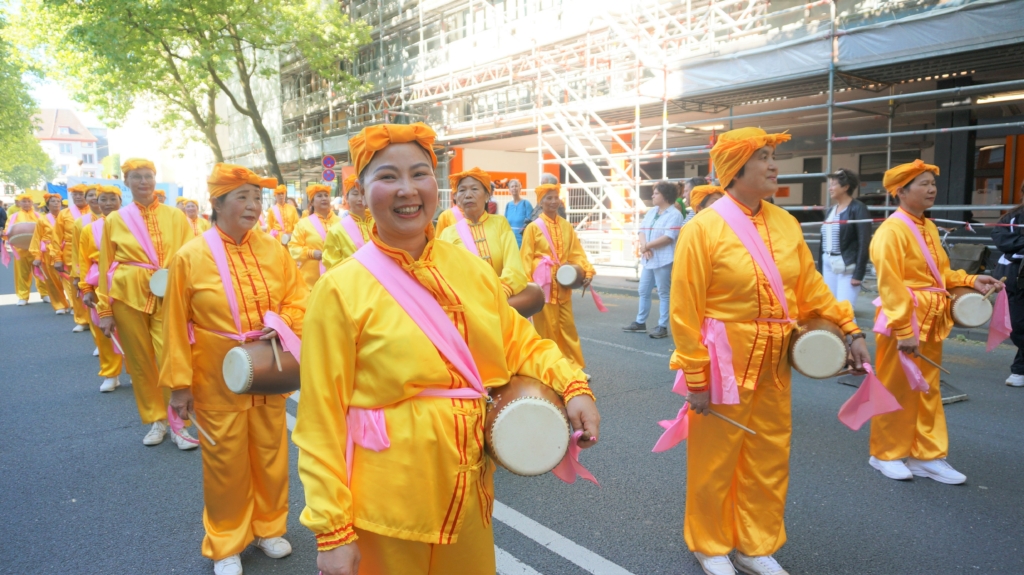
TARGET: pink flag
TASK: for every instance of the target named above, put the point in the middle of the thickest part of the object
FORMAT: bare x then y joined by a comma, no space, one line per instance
676,430
570,467
999,328
597,301
177,425
870,400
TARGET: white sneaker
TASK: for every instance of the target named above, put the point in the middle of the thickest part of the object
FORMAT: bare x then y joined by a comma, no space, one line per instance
156,434
110,384
228,566
22,302
892,469
763,565
61,311
274,547
936,469
79,328
715,564
96,352
46,299
1015,380
184,440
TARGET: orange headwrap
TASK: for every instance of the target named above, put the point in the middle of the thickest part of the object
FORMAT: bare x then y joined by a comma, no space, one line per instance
903,174
78,189
180,200
735,147
228,177
160,193
698,193
476,173
543,189
316,189
281,190
372,139
349,183
48,197
108,190
136,164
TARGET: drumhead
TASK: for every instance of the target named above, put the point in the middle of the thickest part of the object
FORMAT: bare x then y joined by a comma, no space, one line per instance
972,310
566,275
237,370
20,241
818,354
158,282
530,436
285,238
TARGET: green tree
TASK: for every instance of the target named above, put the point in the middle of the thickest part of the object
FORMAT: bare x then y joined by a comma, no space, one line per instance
25,164
22,160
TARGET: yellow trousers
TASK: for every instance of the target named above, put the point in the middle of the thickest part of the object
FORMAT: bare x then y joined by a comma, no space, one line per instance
471,554
141,337
556,322
110,361
81,312
736,483
919,429
245,477
23,276
54,287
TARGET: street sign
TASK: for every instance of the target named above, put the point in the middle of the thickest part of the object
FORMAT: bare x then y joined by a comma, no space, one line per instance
328,162
329,175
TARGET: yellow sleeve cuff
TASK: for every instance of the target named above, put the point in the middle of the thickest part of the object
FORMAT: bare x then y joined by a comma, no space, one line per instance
336,538
577,388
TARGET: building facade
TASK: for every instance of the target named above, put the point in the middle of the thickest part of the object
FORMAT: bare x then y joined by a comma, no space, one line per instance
71,146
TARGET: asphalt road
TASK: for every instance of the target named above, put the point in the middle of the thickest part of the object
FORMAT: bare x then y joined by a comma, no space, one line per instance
80,494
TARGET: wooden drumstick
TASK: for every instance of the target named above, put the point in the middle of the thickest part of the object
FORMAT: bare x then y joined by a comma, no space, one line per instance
942,369
726,419
277,356
192,416
992,291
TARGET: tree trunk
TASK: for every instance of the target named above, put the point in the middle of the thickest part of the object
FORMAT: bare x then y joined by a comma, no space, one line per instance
210,128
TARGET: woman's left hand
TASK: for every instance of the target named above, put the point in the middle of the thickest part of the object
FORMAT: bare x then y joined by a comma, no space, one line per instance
587,280
986,284
317,254
859,356
181,401
855,283
268,333
583,415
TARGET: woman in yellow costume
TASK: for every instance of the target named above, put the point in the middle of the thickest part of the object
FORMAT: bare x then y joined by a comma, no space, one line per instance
245,475
89,216
391,452
702,197
90,239
282,216
556,321
307,243
22,257
352,231
913,276
489,236
42,249
198,224
737,298
160,195
63,257
138,240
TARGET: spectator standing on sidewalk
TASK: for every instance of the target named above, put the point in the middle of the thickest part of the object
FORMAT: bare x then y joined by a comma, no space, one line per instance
843,251
1010,241
657,243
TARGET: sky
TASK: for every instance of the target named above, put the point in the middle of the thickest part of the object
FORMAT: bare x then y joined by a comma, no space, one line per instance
49,94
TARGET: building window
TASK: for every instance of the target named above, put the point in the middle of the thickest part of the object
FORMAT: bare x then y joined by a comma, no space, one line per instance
89,174
64,130
89,158
63,169
88,144
65,148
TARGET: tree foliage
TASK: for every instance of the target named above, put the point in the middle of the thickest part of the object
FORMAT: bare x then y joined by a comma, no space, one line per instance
22,160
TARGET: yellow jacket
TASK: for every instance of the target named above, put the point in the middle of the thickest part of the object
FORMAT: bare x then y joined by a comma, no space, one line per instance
290,216
363,350
900,264
44,233
88,254
264,279
63,234
567,246
445,220
714,276
306,240
198,225
339,246
76,232
497,246
168,230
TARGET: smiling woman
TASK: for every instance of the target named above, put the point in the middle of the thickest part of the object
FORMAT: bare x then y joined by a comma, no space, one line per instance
407,337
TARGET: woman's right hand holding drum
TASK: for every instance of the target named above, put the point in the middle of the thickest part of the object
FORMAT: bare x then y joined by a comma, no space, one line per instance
342,560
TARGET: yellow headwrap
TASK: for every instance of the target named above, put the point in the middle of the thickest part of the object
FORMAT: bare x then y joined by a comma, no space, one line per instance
108,190
475,173
903,174
735,147
316,189
91,187
180,200
543,189
160,194
698,193
191,201
78,189
281,190
136,164
372,139
349,183
23,196
226,178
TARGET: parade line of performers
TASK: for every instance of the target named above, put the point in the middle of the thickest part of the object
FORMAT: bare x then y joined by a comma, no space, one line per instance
390,428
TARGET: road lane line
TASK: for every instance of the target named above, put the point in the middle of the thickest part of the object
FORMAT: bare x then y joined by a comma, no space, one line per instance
577,554
625,348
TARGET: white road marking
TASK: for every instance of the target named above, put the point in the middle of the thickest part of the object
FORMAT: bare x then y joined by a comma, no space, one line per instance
509,565
624,348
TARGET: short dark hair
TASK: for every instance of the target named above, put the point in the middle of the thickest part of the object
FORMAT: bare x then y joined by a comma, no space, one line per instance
846,178
694,182
668,190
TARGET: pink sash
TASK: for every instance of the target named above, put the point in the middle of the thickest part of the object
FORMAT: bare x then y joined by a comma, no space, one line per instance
319,227
43,244
93,277
280,221
466,234
75,212
289,341
137,227
348,223
543,274
5,257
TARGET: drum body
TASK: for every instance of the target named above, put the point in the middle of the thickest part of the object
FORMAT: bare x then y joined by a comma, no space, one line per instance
250,369
285,238
817,348
970,308
529,301
570,276
526,429
158,282
20,235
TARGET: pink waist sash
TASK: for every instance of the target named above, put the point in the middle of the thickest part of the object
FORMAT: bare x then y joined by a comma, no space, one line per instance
914,376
